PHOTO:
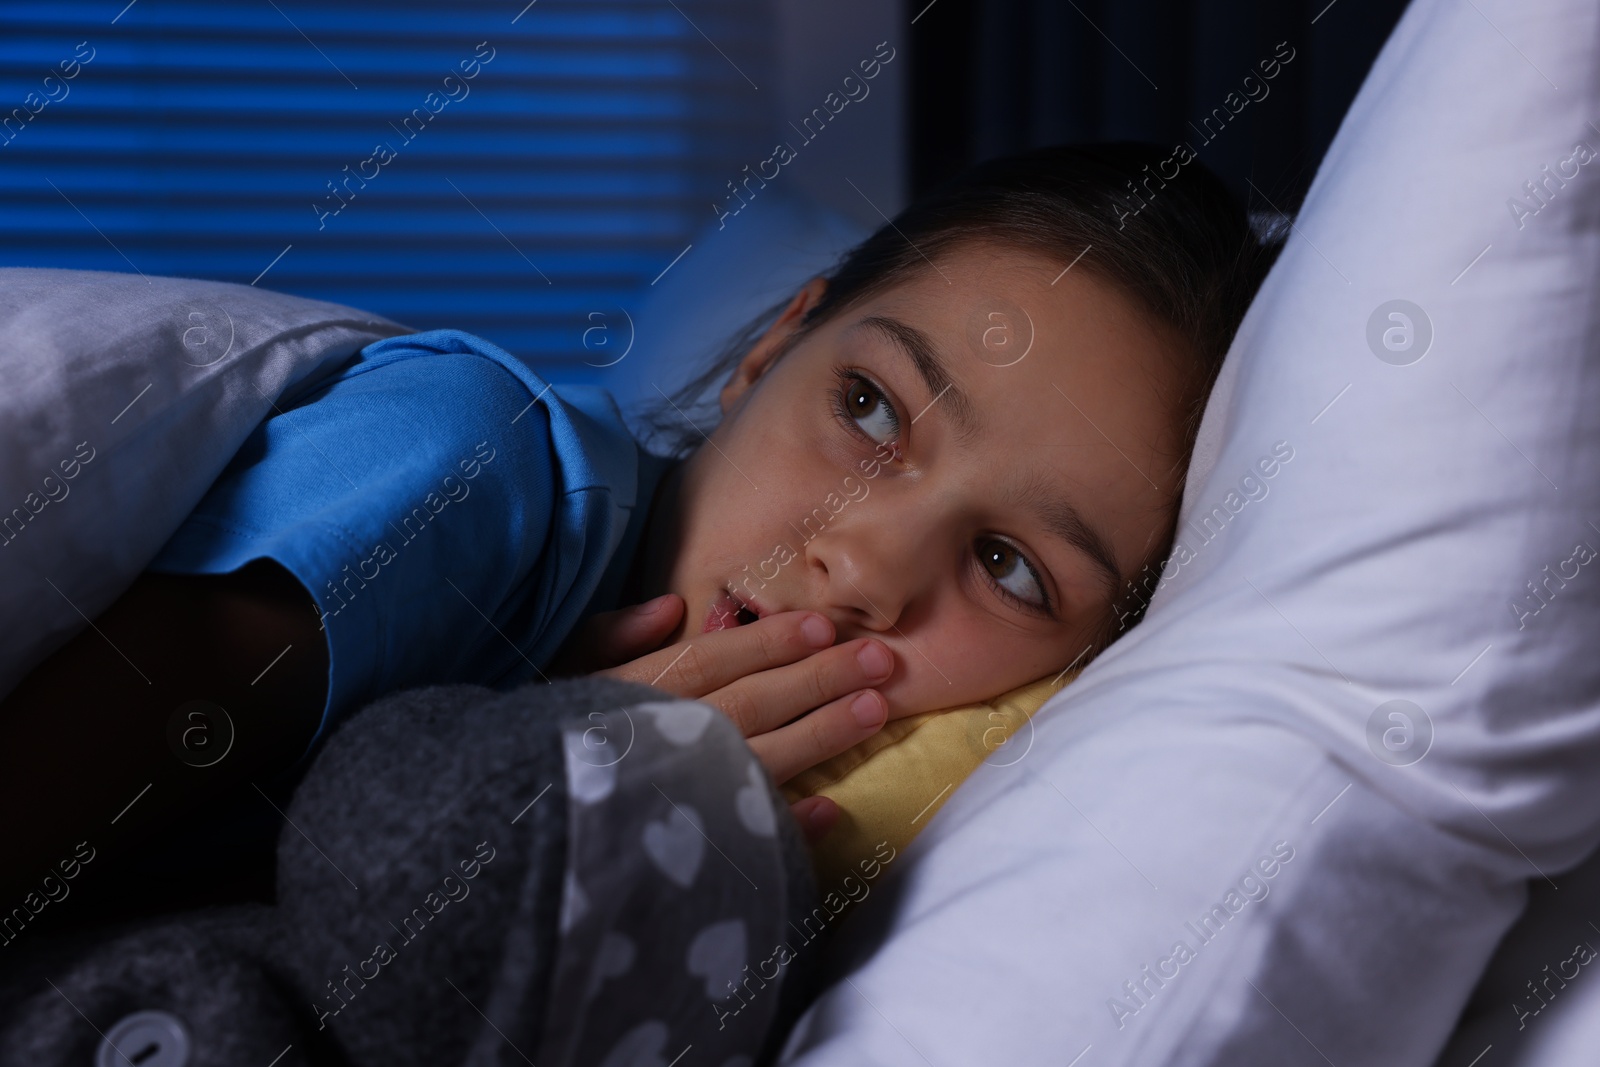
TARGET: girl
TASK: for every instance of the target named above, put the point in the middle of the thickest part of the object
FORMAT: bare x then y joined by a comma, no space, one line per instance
959,457
938,473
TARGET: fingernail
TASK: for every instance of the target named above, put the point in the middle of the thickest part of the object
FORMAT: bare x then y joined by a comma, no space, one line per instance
817,631
868,710
874,660
650,607
822,818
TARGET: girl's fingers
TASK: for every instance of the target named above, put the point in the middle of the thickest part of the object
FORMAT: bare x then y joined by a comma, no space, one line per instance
821,735
637,631
767,700
708,662
612,638
816,816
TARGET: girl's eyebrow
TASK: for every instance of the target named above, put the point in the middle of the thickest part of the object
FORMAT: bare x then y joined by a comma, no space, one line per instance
930,367
1063,521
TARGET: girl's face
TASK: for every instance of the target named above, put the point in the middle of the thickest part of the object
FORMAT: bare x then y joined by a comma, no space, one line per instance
969,466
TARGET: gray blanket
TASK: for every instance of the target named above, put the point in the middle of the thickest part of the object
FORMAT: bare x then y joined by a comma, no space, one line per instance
584,873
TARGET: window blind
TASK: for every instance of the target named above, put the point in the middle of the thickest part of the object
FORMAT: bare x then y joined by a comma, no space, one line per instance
505,168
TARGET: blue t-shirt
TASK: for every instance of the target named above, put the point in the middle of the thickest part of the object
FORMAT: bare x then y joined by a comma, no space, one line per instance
452,515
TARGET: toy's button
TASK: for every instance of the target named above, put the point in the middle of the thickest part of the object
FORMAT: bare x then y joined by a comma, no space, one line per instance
144,1039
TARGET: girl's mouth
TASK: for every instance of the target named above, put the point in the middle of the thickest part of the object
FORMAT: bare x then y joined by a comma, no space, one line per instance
728,611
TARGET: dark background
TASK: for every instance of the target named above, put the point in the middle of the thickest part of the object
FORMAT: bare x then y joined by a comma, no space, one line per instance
593,147
996,76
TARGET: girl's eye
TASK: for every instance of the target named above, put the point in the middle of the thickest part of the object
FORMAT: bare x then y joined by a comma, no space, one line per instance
1012,573
862,403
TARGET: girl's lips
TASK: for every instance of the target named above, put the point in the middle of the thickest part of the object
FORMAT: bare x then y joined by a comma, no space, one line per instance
724,613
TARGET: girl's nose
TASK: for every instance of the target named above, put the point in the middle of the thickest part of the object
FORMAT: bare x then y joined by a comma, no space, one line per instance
867,570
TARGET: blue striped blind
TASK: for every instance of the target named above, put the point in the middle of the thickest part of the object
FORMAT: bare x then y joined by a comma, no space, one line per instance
501,168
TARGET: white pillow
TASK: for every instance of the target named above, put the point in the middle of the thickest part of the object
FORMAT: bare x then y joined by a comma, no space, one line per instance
124,398
1440,462
1534,1004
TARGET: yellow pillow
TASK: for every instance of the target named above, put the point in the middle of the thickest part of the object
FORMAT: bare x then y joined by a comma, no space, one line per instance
891,784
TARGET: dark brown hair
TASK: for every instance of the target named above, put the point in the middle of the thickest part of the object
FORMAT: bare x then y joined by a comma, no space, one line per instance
1181,247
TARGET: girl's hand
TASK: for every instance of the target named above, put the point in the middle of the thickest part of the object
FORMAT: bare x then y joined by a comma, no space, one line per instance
797,699
612,638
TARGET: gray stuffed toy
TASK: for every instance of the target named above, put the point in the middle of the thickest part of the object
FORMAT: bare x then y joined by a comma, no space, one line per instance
582,873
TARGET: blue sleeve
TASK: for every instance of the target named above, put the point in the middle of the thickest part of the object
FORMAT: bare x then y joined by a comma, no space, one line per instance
413,495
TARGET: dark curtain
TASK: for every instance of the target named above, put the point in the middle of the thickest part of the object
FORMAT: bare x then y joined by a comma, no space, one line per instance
990,77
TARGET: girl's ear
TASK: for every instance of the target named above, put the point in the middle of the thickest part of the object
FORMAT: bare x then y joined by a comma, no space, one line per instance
764,352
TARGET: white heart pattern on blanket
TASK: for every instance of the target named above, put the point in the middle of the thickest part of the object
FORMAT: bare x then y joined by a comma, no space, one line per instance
574,901
676,844
588,782
753,805
680,721
639,1047
717,954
